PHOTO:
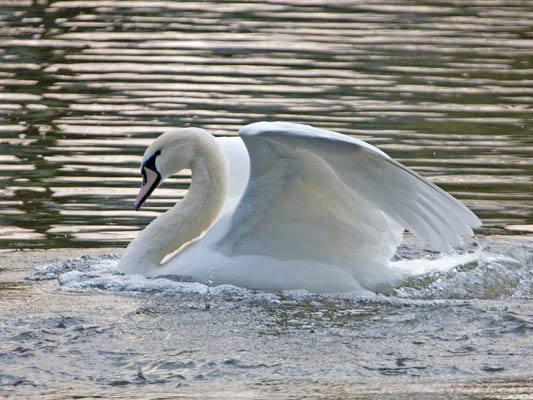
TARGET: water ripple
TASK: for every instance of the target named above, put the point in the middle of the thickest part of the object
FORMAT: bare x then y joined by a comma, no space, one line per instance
445,88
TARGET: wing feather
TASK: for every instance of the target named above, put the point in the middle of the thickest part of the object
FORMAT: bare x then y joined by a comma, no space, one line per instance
324,193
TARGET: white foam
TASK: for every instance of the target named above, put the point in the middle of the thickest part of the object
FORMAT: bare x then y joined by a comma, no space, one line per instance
75,280
478,274
488,276
441,264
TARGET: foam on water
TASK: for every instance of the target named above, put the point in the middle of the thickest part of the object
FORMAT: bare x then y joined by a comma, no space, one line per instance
488,273
97,274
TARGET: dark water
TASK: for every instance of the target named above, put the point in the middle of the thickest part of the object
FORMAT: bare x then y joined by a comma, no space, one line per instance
446,87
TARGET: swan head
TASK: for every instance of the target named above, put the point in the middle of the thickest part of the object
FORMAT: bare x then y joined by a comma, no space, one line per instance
169,153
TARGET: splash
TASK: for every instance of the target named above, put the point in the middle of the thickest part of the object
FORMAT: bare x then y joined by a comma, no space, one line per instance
495,271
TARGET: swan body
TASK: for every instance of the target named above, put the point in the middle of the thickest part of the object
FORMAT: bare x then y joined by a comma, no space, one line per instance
288,206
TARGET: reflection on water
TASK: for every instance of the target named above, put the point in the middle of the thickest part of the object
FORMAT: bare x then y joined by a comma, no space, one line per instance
445,87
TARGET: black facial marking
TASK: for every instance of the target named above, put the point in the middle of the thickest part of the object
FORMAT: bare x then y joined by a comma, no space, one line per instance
150,164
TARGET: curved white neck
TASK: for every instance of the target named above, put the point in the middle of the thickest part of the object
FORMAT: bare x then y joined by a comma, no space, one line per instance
189,218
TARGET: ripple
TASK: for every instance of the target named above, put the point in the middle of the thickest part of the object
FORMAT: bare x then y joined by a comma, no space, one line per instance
445,88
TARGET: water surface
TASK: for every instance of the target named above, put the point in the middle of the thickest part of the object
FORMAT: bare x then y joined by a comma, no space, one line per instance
80,329
445,87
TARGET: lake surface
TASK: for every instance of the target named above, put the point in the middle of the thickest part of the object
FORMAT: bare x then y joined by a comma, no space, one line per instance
445,87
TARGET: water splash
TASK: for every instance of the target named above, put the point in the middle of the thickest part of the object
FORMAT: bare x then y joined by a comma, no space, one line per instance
498,271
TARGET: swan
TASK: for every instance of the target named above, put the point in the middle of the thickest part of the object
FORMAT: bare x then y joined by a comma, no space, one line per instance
287,206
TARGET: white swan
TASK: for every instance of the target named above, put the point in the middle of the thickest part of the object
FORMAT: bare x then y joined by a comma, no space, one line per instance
288,206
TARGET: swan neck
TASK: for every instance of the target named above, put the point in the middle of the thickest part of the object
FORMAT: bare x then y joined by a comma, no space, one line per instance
189,218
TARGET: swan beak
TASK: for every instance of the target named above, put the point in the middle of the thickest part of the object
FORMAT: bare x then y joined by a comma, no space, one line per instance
150,181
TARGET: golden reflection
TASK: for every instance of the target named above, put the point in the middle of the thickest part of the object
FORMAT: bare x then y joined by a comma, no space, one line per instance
520,228
15,233
86,86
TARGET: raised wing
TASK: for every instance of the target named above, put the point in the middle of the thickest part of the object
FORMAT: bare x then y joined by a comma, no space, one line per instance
319,195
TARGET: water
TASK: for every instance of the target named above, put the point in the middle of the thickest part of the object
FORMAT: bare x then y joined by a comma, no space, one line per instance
78,328
444,87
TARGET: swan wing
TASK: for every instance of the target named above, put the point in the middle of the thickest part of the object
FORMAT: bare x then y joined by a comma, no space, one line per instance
314,194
